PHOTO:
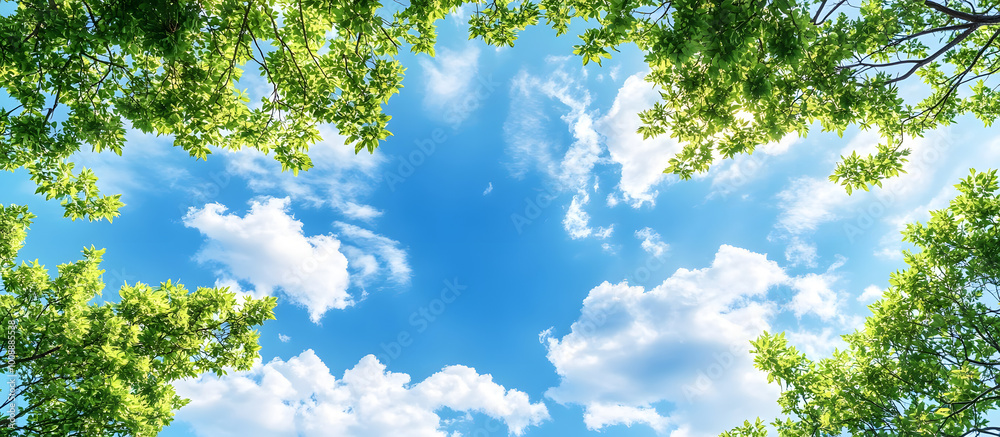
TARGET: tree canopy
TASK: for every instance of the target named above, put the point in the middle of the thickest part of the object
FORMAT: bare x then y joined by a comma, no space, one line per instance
732,74
88,369
927,361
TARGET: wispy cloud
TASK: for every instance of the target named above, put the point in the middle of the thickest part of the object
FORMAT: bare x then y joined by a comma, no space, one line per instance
372,247
449,79
340,179
577,221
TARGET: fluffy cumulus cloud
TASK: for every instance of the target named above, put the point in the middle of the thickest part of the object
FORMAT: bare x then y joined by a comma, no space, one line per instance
683,343
676,357
599,415
871,293
300,397
815,295
268,249
642,161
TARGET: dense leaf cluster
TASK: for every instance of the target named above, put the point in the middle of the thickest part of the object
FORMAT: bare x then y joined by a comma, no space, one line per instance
927,361
91,369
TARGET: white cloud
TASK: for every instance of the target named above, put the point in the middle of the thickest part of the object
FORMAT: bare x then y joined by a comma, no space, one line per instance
799,252
300,397
360,212
599,415
449,78
284,338
526,133
372,246
267,248
235,288
642,161
872,293
890,244
781,146
489,189
577,221
728,175
460,15
651,242
684,342
816,345
532,146
339,178
615,72
815,296
809,202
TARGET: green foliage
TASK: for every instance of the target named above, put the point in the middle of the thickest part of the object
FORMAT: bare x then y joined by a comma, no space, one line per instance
927,361
81,71
106,369
736,74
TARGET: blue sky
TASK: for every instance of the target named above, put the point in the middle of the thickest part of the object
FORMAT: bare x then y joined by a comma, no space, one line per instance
512,261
